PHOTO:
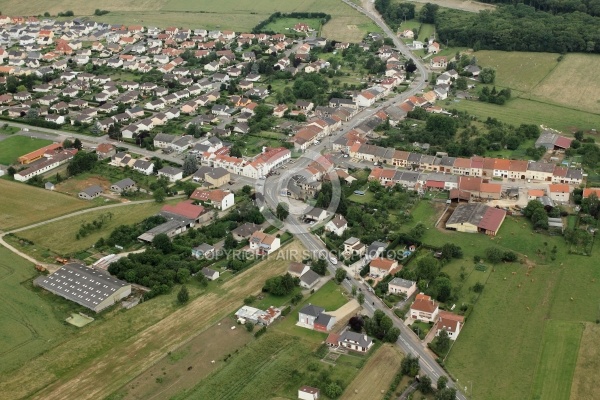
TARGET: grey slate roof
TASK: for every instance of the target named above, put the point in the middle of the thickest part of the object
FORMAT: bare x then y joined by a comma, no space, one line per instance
401,282
80,284
312,310
93,190
310,277
124,183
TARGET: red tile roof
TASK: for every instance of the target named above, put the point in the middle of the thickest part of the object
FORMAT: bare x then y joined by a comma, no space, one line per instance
563,142
185,209
424,303
588,192
492,219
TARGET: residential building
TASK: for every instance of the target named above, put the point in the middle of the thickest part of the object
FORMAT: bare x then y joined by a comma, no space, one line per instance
337,225
219,199
383,266
91,192
449,322
402,286
314,317
263,243
476,217
123,185
424,308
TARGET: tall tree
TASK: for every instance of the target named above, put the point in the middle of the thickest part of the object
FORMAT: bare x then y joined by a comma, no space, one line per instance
183,296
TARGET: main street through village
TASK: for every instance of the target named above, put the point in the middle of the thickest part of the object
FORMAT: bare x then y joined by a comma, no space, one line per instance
271,189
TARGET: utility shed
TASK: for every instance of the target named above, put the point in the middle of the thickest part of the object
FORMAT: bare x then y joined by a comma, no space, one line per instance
85,286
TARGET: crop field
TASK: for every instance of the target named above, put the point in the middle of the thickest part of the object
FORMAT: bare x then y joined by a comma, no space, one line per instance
15,146
585,382
172,374
569,83
238,15
67,243
23,205
527,321
560,347
375,378
29,325
103,357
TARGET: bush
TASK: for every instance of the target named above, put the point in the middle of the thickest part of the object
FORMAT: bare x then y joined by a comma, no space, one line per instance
286,311
249,300
249,326
260,332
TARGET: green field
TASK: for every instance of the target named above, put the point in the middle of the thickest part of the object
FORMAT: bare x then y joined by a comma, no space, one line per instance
276,364
525,327
67,243
238,15
29,324
521,111
15,146
546,91
22,205
560,347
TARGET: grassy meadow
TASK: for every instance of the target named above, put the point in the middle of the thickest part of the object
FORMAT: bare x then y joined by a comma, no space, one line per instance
29,324
238,15
547,89
523,334
13,147
585,383
67,242
23,205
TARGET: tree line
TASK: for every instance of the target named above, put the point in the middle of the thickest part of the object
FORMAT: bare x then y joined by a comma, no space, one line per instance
260,28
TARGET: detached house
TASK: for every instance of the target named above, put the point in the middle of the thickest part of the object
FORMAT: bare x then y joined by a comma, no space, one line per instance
383,266
337,225
424,309
314,317
263,243
219,199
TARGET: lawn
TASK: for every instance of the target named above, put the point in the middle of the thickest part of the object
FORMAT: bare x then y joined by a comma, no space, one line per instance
346,24
376,376
330,297
23,205
29,324
105,356
15,146
560,347
585,382
67,243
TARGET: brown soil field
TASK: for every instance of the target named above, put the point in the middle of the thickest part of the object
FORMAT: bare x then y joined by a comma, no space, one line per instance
185,367
74,186
374,379
94,365
585,381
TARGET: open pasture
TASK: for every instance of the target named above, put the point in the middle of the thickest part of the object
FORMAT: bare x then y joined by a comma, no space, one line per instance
23,205
13,147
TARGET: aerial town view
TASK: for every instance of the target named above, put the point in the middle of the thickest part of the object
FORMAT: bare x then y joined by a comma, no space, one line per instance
309,199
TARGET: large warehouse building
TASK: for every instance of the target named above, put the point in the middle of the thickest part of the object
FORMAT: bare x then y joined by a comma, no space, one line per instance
86,286
476,217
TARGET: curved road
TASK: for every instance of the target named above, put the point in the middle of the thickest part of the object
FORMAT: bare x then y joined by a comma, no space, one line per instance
269,188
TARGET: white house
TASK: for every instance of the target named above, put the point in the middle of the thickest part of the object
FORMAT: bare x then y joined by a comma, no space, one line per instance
171,173
143,166
263,243
383,266
337,225
218,198
309,393
402,286
451,323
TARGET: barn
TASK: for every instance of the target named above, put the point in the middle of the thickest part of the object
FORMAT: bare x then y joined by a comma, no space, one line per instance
85,286
476,217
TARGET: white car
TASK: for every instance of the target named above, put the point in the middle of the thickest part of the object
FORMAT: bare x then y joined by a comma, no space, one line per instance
333,260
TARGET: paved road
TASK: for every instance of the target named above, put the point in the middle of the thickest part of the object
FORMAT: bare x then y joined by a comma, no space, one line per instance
270,189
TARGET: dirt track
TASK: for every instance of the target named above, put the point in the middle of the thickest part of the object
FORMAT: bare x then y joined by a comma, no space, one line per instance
108,372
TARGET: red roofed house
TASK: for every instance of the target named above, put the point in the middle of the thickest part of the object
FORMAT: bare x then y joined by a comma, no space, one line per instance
424,308
383,266
263,243
451,323
105,150
219,199
589,191
559,192
439,62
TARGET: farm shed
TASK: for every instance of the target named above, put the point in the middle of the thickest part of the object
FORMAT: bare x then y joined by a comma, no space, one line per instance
85,286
